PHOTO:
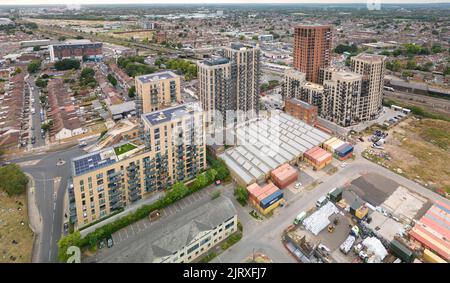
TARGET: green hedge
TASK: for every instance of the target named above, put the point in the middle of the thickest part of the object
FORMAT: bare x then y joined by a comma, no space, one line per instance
233,239
175,193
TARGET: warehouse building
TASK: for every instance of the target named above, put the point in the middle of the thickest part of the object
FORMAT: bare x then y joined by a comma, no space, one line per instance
433,231
76,49
265,144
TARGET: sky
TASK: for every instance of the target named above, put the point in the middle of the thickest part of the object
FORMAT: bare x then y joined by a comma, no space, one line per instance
71,2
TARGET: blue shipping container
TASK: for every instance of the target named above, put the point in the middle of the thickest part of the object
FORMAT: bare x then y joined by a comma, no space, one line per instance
268,201
344,149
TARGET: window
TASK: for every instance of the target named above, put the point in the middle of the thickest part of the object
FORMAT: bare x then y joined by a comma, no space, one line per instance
193,248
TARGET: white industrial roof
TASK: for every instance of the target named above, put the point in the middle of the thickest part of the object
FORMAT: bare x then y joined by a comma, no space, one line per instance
265,144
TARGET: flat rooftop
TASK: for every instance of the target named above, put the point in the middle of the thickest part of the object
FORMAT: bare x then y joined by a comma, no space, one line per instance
76,42
302,103
157,76
175,112
216,61
93,161
265,144
370,57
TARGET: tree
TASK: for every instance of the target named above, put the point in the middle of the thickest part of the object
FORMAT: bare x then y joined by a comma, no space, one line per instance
47,126
436,48
112,79
64,243
34,66
67,64
411,64
447,70
87,77
12,180
241,195
17,71
41,83
241,37
36,48
407,74
255,37
132,91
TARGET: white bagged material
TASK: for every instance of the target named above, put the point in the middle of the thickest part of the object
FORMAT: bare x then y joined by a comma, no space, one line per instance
318,221
375,247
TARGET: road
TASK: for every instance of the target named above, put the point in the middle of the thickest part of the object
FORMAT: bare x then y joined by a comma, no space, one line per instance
35,118
49,179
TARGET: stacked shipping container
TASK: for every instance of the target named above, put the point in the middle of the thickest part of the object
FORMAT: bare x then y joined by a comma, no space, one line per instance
284,175
318,157
266,198
343,150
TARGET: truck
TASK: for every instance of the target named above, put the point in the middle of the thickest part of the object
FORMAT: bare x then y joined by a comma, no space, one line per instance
347,244
300,217
401,251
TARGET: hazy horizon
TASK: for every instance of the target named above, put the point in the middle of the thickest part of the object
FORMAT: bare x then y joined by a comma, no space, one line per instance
206,2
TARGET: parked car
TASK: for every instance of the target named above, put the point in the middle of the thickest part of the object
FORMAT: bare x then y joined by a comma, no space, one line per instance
110,242
33,140
298,185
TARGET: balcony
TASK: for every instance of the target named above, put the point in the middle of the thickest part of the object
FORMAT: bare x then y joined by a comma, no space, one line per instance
134,198
116,206
134,192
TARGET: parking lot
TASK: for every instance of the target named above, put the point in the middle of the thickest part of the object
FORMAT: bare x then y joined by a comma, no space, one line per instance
133,232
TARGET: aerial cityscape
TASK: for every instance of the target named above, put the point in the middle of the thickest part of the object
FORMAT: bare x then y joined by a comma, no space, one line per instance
224,133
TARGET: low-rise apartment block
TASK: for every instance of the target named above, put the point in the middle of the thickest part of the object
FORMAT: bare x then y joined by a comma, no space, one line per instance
110,179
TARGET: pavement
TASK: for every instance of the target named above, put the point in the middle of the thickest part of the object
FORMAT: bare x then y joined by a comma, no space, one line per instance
34,218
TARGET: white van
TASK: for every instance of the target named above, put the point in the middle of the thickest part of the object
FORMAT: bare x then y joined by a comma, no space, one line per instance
300,217
321,201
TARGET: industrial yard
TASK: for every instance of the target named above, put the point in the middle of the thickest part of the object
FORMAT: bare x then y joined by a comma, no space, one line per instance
370,219
418,150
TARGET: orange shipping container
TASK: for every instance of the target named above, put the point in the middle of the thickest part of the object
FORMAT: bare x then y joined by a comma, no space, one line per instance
284,175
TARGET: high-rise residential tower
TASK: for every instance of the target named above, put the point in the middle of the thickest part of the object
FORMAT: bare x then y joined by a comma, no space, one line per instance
157,91
216,78
312,49
372,68
246,59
